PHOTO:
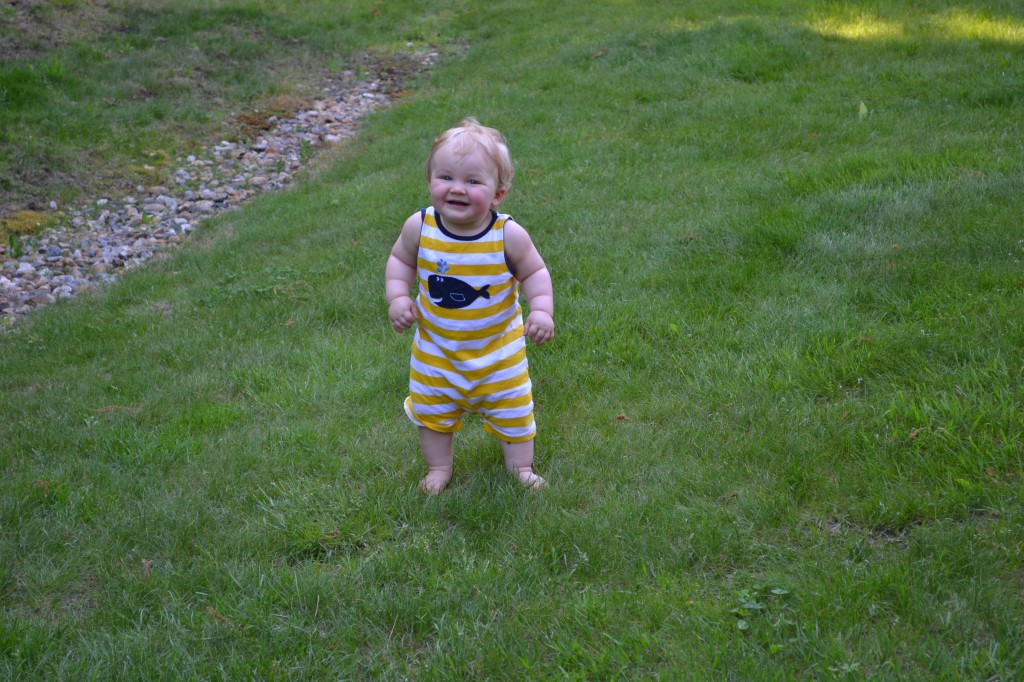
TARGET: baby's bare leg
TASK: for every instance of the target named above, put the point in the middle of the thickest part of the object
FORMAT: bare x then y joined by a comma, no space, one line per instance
437,451
519,460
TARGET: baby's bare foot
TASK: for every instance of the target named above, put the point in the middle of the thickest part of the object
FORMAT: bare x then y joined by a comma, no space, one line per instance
531,481
435,481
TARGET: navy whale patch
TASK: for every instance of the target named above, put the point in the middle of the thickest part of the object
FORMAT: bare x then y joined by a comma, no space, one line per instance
448,292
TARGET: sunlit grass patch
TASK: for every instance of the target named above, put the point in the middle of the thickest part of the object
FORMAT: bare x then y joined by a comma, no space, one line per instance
876,23
862,27
979,26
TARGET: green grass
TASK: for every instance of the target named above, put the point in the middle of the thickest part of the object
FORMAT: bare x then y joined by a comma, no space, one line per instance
79,80
782,417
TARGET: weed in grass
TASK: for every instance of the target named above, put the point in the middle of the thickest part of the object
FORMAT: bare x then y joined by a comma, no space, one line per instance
14,246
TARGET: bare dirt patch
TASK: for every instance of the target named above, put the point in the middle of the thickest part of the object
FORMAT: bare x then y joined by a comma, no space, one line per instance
31,29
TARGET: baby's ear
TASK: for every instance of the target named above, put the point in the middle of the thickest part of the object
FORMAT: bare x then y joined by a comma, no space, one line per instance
499,196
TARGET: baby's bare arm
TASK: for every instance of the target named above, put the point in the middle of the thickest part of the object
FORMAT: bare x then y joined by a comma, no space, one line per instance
536,282
400,275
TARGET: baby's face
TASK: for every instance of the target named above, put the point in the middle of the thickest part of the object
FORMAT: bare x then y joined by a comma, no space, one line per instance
464,189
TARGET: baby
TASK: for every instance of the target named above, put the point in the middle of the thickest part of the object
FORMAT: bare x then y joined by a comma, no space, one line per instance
469,350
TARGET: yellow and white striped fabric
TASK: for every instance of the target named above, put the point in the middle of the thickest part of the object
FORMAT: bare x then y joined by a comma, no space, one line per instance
468,353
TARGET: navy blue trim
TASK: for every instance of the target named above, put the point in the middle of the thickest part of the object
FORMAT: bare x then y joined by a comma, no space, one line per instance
494,219
473,238
503,233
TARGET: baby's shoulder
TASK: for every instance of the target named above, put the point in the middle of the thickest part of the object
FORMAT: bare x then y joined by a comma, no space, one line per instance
415,221
514,231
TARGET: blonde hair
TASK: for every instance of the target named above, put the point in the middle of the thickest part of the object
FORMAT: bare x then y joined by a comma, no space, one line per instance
469,136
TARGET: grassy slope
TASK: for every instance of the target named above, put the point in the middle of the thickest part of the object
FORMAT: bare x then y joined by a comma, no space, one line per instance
782,416
80,79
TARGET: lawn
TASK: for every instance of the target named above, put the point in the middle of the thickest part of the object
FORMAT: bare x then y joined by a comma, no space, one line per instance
782,418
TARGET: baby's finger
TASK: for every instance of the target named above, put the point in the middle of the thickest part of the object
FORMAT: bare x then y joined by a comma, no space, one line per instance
537,334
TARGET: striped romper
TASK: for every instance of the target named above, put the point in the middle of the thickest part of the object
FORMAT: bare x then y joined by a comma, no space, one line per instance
468,353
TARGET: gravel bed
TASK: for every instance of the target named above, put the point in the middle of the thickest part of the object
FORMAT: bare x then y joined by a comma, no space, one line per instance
106,236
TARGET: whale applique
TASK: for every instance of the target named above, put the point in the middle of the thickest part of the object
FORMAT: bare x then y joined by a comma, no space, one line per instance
448,292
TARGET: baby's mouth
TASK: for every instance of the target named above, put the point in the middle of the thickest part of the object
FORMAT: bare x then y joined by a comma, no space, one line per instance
456,202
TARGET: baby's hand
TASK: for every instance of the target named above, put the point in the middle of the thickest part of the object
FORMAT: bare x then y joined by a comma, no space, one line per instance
540,328
402,313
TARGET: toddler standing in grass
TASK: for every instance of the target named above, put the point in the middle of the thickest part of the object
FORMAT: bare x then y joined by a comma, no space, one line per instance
469,350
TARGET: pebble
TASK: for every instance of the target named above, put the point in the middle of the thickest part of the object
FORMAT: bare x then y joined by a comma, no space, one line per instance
107,236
